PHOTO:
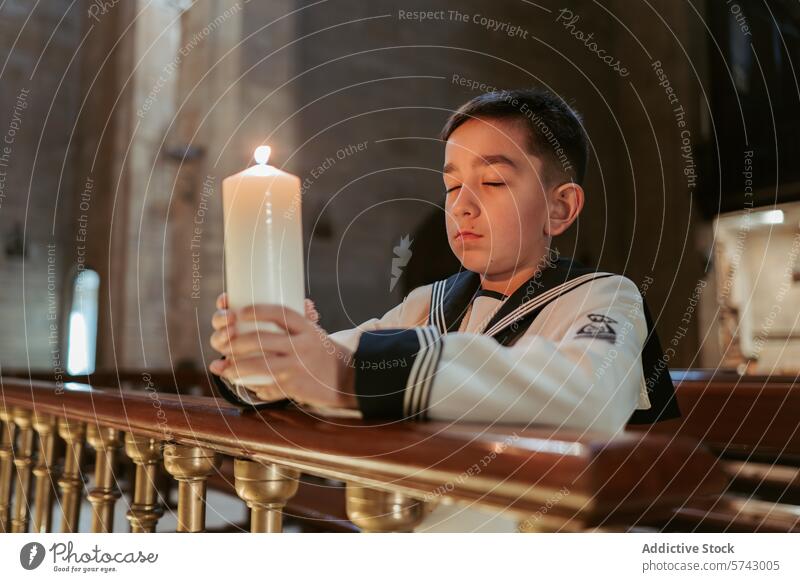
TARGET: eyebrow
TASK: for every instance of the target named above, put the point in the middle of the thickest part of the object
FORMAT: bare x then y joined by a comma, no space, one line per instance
488,160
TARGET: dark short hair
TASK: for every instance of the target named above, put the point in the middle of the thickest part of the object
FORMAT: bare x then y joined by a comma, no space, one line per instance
555,130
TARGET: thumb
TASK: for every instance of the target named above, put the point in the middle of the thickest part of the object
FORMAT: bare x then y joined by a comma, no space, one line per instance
311,311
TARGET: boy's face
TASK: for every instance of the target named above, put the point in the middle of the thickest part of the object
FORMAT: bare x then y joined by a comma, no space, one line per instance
495,190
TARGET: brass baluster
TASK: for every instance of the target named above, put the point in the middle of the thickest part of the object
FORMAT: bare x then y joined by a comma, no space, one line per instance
23,459
146,509
266,488
71,482
45,426
6,464
104,495
374,510
190,466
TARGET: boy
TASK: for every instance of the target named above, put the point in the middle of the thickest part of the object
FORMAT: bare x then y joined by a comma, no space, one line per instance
519,336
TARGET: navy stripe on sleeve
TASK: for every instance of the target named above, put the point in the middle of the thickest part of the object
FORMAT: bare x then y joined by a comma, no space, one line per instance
394,370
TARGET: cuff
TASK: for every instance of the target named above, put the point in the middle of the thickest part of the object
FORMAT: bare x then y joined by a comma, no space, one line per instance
394,371
239,396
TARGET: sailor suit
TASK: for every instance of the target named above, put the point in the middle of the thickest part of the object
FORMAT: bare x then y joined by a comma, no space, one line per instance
572,347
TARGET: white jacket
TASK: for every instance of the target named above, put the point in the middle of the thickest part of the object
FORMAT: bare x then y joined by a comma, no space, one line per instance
565,350
553,374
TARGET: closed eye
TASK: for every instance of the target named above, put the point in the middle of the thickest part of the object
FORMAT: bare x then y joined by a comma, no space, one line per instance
494,183
453,188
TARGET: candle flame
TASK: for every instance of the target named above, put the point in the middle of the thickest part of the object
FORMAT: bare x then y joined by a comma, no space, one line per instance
262,154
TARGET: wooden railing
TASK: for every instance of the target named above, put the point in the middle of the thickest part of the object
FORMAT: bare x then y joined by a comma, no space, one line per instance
749,416
543,478
752,424
179,381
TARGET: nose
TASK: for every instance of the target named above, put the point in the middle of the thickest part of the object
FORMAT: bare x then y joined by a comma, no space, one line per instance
465,203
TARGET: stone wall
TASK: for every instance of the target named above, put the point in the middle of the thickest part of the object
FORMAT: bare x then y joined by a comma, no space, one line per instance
39,84
352,96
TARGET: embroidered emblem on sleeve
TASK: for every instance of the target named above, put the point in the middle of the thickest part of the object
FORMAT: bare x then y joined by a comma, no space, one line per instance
599,328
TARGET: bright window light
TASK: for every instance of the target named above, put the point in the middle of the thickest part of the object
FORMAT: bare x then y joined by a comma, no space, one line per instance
82,343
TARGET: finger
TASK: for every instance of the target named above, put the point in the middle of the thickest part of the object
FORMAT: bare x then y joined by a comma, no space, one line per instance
260,365
262,341
217,367
311,311
223,319
222,301
220,340
269,392
283,316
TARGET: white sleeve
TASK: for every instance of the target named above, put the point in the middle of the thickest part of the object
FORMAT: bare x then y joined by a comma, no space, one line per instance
411,311
573,372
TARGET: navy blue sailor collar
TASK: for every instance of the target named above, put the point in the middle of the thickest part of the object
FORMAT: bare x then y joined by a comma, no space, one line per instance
451,297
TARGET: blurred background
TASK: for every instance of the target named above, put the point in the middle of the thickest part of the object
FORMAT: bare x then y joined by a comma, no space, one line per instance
119,120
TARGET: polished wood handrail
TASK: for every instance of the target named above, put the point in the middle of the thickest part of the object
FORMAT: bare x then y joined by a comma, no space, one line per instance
178,380
729,412
741,415
501,467
166,377
753,424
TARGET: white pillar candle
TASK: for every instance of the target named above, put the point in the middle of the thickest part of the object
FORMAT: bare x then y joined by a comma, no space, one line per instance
263,242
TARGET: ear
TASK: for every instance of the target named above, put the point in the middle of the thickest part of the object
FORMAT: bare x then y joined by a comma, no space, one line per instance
563,207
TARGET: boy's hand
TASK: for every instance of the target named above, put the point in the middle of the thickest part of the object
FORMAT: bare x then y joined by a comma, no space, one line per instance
311,310
308,367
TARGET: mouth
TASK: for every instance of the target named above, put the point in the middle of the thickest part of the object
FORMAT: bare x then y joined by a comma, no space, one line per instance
467,235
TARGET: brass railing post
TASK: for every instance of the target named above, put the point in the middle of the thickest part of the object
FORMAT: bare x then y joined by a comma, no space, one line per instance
266,488
104,495
146,508
6,465
71,482
190,466
374,510
45,426
23,459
